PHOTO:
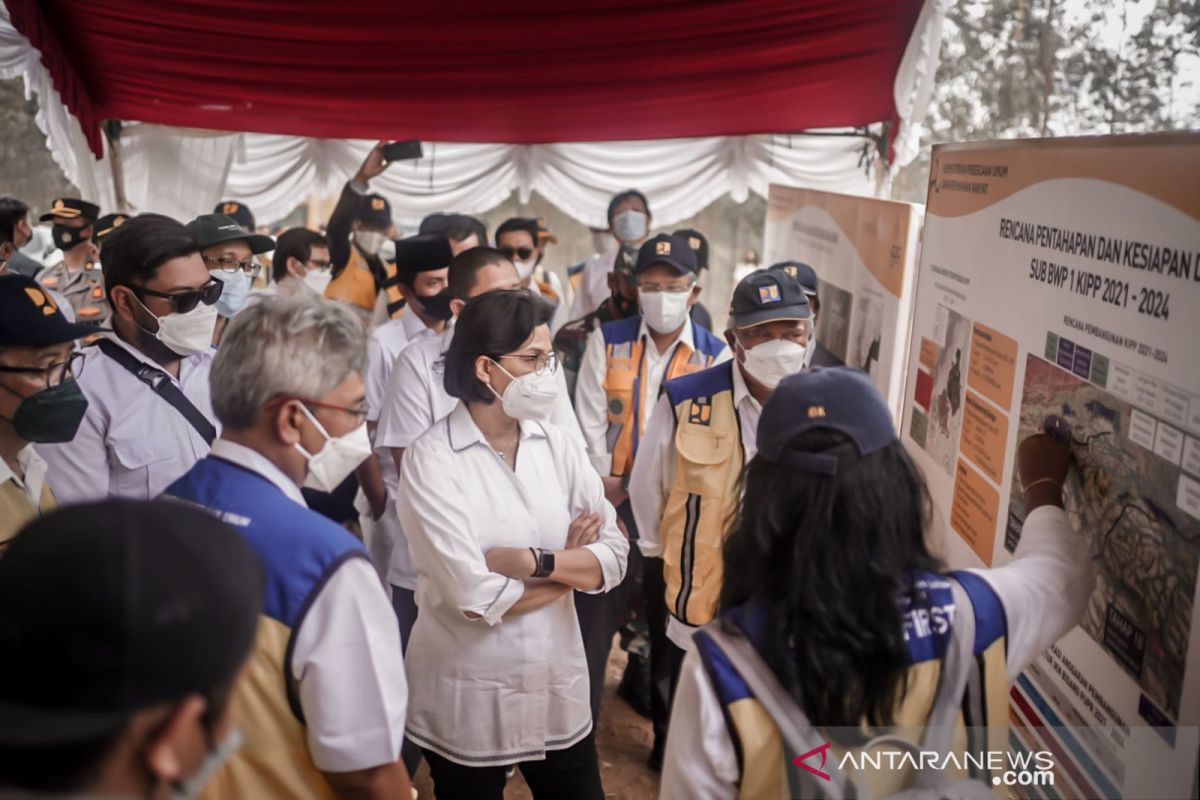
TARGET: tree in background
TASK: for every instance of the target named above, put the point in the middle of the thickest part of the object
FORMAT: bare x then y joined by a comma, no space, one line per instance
1028,68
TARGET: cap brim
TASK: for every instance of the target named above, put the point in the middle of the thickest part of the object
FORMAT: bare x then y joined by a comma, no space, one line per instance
65,213
67,332
765,315
21,725
258,243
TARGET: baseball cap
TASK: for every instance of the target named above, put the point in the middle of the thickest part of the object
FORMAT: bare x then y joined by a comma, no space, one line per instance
109,608
669,250
210,229
767,296
374,209
29,315
422,253
840,399
70,208
802,273
699,244
237,212
106,225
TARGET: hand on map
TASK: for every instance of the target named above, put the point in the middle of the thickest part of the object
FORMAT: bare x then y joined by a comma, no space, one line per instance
1042,462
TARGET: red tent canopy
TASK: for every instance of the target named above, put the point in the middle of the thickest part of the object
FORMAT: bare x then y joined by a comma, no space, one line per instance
520,71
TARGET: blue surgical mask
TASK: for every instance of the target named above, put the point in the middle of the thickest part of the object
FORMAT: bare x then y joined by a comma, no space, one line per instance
233,297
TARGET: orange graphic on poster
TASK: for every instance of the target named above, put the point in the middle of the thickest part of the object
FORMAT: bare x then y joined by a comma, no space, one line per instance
929,353
984,432
973,511
993,365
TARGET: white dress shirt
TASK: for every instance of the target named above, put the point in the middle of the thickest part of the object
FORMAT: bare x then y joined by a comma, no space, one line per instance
384,346
34,468
654,474
592,289
416,398
132,443
1044,591
591,401
495,689
345,654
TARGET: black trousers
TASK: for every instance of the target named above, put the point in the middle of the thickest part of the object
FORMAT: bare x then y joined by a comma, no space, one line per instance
571,774
661,685
405,605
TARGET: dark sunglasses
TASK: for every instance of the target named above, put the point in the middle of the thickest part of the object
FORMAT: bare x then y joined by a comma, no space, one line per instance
184,302
523,252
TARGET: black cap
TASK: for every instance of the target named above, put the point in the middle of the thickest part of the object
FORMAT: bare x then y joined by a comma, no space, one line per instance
838,398
802,273
669,250
70,208
210,229
767,296
29,315
624,263
422,253
374,209
106,225
699,244
109,608
237,212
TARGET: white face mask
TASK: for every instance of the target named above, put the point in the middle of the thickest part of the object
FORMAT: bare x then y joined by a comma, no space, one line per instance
233,296
771,362
317,280
530,397
191,787
369,241
525,268
337,458
630,226
664,312
187,334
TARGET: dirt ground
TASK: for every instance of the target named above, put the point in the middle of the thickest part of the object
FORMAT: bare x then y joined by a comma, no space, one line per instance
623,740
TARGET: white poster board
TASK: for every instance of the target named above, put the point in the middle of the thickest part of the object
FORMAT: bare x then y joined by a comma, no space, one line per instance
863,251
1062,277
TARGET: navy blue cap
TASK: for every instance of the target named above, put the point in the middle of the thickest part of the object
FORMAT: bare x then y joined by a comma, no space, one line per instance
669,250
29,315
238,212
374,209
802,273
106,225
70,208
423,253
767,296
839,399
699,244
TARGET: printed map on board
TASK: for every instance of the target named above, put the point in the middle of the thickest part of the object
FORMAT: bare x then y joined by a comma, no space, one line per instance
1122,497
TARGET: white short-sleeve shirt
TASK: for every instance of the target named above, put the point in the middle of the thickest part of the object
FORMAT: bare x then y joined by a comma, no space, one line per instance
496,689
132,443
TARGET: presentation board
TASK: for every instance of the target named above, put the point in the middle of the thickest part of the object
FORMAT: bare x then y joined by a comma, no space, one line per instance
863,251
1061,278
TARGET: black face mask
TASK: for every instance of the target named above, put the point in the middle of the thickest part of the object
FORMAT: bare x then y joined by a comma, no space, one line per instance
51,415
436,306
66,238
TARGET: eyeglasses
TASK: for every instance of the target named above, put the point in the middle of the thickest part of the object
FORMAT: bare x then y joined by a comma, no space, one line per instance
321,265
232,265
523,252
541,363
654,288
55,373
184,302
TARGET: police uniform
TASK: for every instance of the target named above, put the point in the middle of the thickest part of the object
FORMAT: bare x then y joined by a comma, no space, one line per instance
83,289
325,689
29,317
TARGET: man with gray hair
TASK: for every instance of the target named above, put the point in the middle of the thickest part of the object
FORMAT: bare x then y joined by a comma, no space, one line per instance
326,680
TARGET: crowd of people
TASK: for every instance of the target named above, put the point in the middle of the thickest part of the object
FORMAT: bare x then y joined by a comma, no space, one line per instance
283,517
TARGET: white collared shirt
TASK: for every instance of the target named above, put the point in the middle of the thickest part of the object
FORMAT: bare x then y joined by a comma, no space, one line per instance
497,689
132,443
593,284
414,400
384,346
345,654
591,401
34,468
654,474
1044,591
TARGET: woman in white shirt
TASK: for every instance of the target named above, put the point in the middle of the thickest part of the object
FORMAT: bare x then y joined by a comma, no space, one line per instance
505,519
838,624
